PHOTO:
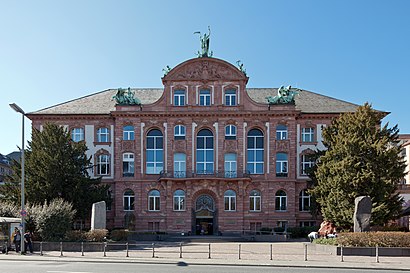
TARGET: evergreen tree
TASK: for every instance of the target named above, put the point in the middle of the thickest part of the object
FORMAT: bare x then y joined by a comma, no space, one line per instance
57,167
362,159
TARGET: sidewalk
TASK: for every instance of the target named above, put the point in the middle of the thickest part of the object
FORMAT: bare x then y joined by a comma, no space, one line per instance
251,254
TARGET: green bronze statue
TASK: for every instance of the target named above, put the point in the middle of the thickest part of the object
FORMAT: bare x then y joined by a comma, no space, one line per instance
285,96
204,44
124,97
166,70
240,67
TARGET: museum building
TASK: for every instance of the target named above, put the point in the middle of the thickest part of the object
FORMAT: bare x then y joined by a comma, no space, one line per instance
204,154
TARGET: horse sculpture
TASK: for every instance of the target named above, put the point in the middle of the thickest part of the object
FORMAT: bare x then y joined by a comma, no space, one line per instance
126,97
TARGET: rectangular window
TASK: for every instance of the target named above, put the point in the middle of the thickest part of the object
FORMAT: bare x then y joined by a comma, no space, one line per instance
281,165
128,164
103,165
103,135
179,97
230,166
230,97
307,163
255,226
308,134
153,226
77,134
179,165
205,97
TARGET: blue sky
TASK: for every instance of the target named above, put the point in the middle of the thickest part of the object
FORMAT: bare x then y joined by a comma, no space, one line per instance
55,51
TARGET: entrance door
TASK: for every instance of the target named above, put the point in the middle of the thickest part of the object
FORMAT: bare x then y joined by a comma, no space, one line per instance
204,216
205,226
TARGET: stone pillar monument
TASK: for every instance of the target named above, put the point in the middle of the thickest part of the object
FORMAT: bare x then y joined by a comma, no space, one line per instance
362,214
98,216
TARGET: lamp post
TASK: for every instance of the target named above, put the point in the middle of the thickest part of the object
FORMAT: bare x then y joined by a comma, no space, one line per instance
16,108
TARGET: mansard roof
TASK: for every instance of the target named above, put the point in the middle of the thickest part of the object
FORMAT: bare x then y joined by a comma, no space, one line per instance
102,102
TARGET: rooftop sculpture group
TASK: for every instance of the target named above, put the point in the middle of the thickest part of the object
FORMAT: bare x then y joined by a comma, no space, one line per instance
285,96
124,97
204,44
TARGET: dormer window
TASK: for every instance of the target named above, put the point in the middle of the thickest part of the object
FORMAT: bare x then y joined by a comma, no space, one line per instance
230,97
205,97
179,98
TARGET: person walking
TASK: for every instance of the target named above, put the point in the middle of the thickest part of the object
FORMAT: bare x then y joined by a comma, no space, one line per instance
17,239
28,242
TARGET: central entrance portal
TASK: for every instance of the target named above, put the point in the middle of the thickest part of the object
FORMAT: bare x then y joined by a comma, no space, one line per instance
205,216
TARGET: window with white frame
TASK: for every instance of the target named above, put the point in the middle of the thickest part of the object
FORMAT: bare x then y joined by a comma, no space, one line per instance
230,200
103,164
179,165
230,97
230,165
281,132
255,152
205,97
179,200
77,134
255,200
127,164
307,162
179,98
281,165
230,132
308,134
128,132
205,152
154,200
128,200
155,152
304,201
179,132
280,201
103,134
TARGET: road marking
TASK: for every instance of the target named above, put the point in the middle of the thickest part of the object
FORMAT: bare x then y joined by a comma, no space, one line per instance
67,272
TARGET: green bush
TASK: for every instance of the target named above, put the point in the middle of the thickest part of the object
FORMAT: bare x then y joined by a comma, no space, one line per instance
75,236
96,235
326,241
119,235
372,239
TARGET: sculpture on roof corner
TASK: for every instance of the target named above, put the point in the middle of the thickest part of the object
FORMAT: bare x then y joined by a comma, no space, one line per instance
204,44
126,97
166,70
285,96
240,67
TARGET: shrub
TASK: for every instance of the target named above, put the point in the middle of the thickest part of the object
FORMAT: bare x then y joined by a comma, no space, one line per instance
372,239
8,209
326,241
75,236
96,235
119,235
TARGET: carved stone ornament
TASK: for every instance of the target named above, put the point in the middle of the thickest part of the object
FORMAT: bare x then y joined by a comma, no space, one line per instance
180,145
127,145
231,145
282,145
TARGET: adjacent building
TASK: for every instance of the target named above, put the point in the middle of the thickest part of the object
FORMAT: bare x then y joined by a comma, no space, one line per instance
204,154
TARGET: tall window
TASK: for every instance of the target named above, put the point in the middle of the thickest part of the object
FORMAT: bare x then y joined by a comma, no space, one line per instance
230,97
308,134
179,97
281,132
179,165
154,200
230,165
128,198
205,97
304,201
103,164
77,134
230,200
255,200
179,132
128,132
281,165
280,201
179,200
255,152
230,132
307,162
128,164
155,152
205,152
103,135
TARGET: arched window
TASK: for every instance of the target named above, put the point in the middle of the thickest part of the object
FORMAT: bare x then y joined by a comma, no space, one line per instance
230,132
280,201
179,165
77,134
179,132
155,152
281,132
103,164
179,200
103,135
281,165
307,162
205,152
154,200
128,132
128,198
230,97
230,165
304,201
255,200
255,152
127,164
230,200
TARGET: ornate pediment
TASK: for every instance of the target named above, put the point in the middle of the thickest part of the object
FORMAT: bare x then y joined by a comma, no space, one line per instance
205,69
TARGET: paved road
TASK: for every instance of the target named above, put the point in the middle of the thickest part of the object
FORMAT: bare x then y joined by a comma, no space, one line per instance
87,267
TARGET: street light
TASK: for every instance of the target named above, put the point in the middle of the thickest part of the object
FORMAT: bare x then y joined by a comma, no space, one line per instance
16,108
